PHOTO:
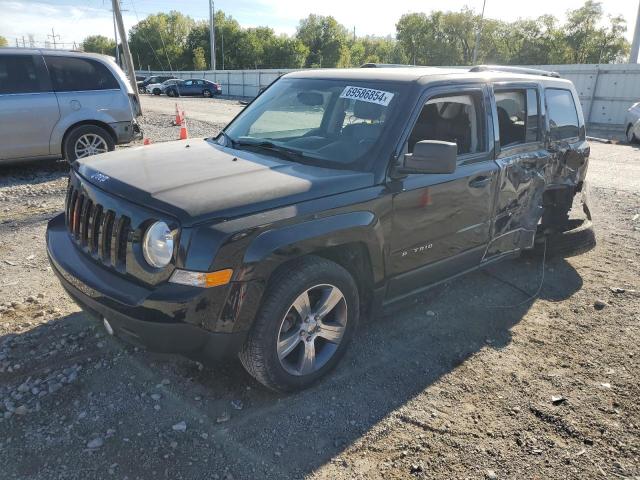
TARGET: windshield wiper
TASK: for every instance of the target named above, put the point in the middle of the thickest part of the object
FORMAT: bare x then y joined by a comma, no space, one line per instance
290,153
227,137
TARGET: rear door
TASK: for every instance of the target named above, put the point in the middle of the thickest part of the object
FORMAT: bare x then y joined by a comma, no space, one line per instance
441,222
28,107
523,159
187,88
87,90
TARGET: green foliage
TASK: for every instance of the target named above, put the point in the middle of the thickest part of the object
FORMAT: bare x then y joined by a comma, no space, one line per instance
326,40
175,41
99,44
199,60
160,41
3,41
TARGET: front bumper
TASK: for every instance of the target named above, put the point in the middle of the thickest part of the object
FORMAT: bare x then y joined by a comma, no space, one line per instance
137,314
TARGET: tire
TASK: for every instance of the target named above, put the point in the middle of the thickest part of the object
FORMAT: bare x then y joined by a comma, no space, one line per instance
156,91
207,94
278,320
579,238
85,136
171,93
631,137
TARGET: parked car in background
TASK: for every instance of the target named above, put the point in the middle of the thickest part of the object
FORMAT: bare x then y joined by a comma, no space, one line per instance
632,123
59,103
156,88
193,87
140,78
152,79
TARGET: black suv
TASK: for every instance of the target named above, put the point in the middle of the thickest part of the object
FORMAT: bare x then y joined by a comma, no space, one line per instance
334,192
152,79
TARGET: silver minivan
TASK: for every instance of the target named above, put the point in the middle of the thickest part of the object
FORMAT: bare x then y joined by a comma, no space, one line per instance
57,103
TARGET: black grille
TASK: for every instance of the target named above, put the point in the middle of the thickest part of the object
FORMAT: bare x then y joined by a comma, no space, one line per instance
100,232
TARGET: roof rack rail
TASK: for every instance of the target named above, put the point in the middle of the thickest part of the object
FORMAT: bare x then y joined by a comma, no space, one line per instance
507,69
385,65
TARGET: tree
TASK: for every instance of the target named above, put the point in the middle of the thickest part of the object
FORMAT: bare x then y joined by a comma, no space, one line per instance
199,60
326,40
160,41
99,44
3,41
285,52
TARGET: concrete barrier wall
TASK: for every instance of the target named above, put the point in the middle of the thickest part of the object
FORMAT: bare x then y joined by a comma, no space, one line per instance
606,91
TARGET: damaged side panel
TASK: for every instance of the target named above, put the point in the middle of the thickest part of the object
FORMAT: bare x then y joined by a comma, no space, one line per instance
537,184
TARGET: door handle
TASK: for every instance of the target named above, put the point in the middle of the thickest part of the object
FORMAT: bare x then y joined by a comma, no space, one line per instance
480,182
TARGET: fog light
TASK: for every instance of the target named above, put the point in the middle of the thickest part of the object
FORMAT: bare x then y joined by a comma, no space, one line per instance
202,279
107,326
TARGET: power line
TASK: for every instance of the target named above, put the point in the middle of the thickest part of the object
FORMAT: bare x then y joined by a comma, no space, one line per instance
53,37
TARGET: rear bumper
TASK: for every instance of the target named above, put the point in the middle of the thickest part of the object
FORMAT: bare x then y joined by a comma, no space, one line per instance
141,323
126,131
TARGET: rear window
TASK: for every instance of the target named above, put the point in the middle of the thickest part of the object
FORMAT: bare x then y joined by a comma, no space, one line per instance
18,74
70,74
563,117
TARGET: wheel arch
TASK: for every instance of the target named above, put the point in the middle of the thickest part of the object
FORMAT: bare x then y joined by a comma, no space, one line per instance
96,123
353,240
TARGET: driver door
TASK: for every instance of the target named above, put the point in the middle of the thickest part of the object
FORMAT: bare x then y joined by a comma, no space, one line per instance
442,222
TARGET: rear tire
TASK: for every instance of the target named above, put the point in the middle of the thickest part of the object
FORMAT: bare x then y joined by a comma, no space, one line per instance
156,91
579,238
86,140
207,94
279,322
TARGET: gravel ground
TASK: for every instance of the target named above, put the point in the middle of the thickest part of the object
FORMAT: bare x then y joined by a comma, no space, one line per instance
452,385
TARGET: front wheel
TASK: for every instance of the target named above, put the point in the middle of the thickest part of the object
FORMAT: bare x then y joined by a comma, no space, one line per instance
87,140
171,93
631,136
308,316
156,91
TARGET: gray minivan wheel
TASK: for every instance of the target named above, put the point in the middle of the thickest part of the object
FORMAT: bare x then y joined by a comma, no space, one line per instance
86,140
631,137
308,316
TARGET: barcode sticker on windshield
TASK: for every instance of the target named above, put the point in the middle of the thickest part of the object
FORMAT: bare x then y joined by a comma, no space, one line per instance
367,95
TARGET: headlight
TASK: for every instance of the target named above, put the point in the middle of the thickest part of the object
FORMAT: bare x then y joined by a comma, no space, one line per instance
157,245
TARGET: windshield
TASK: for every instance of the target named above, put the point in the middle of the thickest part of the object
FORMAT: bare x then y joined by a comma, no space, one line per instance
323,122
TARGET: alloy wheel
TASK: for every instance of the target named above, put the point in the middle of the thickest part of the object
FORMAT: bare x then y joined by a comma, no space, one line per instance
90,144
312,329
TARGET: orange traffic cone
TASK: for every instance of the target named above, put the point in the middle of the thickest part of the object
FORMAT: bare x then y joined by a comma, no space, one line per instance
183,129
146,141
178,117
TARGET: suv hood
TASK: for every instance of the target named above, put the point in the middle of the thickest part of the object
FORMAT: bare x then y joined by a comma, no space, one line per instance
198,180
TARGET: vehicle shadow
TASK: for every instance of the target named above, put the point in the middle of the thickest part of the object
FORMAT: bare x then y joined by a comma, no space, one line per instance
394,357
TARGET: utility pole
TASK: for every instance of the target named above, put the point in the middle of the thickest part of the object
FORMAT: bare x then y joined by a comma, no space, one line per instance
53,37
125,48
115,35
635,46
475,47
212,33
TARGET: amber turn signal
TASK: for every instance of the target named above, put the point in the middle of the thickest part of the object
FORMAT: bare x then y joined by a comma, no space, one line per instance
202,279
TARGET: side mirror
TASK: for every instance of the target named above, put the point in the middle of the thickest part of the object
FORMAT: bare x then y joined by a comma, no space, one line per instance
431,156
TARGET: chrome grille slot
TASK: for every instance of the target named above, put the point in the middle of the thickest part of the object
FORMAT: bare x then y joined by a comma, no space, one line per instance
99,232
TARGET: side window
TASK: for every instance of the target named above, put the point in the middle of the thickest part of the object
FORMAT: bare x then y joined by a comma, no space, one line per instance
533,118
18,74
188,83
563,117
69,74
451,119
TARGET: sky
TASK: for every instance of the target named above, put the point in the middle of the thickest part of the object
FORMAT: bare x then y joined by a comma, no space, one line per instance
73,20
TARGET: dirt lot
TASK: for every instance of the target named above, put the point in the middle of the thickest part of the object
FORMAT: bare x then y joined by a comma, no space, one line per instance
456,384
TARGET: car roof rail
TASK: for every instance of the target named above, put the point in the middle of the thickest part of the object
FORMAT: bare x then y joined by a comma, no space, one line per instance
385,65
509,69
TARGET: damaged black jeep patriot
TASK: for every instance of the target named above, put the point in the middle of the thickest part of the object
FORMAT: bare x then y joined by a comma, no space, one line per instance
334,192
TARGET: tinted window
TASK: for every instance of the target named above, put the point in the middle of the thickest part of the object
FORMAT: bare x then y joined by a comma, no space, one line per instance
18,74
563,117
512,116
450,119
532,115
77,74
